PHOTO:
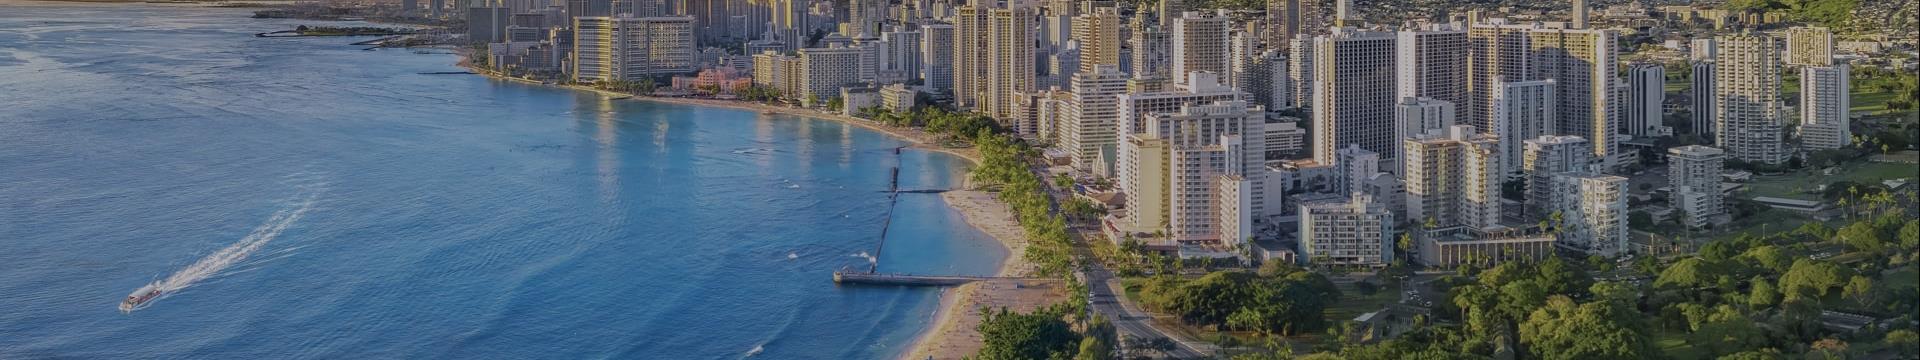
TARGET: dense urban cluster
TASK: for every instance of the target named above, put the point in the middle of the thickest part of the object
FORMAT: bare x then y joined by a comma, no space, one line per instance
1488,181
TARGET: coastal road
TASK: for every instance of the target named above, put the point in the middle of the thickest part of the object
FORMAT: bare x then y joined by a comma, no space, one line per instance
1128,319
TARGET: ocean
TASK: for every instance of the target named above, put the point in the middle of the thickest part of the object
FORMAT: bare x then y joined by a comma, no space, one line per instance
309,199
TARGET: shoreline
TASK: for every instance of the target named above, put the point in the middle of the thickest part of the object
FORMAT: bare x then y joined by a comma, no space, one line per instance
951,334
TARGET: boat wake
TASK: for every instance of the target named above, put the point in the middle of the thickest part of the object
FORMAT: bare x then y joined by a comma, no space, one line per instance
220,260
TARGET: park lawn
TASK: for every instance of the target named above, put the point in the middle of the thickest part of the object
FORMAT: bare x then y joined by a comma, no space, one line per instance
1869,101
1766,222
1795,186
1352,304
1675,345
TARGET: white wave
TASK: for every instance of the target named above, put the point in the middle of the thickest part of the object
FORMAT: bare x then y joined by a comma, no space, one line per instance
756,350
214,264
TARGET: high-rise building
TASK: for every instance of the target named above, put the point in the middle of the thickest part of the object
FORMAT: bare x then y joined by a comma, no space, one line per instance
823,71
1582,63
1547,156
1300,70
1357,231
1203,143
1289,18
1522,110
1579,14
1092,116
487,23
1199,44
1693,173
1701,49
1746,103
970,59
1010,53
1703,99
628,48
1809,46
1646,93
1353,167
936,55
1353,100
1432,63
1824,106
1453,178
1098,34
1593,212
1419,116
1264,76
1152,50
1201,88
899,55
777,71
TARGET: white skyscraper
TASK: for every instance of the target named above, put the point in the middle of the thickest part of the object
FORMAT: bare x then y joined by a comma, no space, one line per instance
1194,146
1010,68
1824,107
1432,63
936,55
1582,63
1746,90
1092,119
1199,44
1547,156
1702,91
1809,46
1353,100
1645,94
1419,116
1453,178
1522,110
622,48
1693,172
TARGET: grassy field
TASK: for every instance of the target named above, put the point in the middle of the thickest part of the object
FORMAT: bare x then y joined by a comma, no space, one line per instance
1766,222
1675,345
1796,185
1352,304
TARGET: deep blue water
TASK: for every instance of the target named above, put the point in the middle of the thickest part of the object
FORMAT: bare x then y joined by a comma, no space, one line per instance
439,216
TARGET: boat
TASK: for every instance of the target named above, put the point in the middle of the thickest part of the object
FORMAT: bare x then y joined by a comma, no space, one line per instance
622,97
139,298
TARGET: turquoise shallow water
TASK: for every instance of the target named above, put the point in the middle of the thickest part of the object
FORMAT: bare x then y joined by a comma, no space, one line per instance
438,216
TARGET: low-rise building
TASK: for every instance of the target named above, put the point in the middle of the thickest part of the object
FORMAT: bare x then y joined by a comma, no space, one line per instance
1453,246
1353,232
1593,213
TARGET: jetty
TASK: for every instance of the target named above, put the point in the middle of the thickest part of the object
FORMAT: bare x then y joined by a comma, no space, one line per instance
867,278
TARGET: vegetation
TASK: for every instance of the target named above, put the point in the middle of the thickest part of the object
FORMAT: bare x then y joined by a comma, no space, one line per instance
1279,299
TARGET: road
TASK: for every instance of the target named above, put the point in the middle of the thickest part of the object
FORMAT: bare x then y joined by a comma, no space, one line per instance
1128,319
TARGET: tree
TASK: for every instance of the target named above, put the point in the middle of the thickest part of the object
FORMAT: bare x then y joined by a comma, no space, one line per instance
1910,235
1861,235
1904,340
1691,272
1860,289
1099,341
1811,279
1037,335
1768,257
1762,293
1563,329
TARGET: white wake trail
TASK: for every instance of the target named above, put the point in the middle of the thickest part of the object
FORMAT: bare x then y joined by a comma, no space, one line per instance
227,257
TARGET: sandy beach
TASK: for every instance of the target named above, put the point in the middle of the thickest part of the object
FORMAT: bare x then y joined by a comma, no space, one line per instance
952,335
